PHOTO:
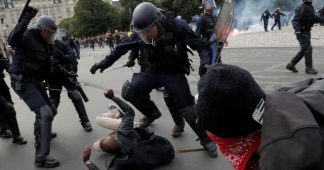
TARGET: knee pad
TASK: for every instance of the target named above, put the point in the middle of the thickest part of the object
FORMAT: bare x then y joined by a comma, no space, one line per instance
129,92
75,96
45,113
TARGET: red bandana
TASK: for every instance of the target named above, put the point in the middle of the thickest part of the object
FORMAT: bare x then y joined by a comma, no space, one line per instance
239,150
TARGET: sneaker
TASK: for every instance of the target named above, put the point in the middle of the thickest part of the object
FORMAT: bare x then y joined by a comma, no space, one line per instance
211,148
177,130
291,68
310,71
87,126
47,162
19,140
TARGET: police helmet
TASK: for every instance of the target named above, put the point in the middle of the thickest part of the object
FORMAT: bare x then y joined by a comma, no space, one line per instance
47,23
144,16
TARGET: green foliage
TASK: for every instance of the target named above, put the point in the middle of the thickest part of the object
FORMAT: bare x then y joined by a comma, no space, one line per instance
92,17
66,23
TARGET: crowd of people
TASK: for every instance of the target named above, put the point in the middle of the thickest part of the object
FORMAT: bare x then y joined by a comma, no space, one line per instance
232,112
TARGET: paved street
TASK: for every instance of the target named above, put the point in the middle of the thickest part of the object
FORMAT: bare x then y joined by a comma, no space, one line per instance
266,64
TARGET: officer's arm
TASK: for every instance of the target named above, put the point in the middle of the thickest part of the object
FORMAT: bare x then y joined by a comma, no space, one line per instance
75,47
296,22
194,42
119,51
15,38
199,25
282,14
318,19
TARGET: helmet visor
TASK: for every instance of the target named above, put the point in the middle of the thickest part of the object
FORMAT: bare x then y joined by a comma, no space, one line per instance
149,34
51,37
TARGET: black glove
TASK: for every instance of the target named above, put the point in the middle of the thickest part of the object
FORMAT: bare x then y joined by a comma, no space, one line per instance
130,63
95,67
30,12
202,69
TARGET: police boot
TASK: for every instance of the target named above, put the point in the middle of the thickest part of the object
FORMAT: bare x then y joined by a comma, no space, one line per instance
16,138
291,67
310,71
79,107
190,116
148,120
179,124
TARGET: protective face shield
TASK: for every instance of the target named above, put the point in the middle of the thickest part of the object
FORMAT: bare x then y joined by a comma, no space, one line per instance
49,35
48,28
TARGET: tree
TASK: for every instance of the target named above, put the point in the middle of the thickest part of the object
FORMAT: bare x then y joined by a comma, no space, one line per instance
93,17
66,23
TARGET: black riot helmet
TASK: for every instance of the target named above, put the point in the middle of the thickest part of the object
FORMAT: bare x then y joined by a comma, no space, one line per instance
147,22
48,28
144,15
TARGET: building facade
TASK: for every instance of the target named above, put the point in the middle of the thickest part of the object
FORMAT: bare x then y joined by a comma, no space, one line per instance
10,11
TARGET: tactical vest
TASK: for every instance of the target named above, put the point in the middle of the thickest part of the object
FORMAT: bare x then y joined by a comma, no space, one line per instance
307,20
209,23
168,56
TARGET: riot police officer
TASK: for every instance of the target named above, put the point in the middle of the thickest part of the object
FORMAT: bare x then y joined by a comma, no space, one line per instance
265,17
276,15
31,65
64,75
160,39
303,22
68,40
205,29
7,111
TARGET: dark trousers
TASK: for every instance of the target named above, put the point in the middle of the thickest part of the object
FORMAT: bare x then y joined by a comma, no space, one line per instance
35,96
277,22
265,24
55,94
306,50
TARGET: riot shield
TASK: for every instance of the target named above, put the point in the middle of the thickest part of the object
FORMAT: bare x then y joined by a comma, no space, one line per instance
224,24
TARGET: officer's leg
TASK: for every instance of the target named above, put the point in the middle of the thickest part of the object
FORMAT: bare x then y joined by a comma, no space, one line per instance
55,94
76,98
37,100
175,113
9,114
265,25
279,24
42,132
137,92
273,25
309,61
304,45
185,102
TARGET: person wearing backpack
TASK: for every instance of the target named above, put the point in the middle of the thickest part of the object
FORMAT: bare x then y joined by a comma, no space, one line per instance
255,130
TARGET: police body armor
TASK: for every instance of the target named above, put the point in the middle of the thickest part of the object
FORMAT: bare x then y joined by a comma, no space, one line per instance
167,56
209,26
307,21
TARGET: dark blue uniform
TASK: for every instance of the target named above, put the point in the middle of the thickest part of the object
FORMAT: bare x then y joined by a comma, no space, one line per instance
265,17
7,111
31,65
277,21
161,66
303,22
64,75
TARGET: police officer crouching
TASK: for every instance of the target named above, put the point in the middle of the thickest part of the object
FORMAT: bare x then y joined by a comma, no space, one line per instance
158,40
303,22
31,65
